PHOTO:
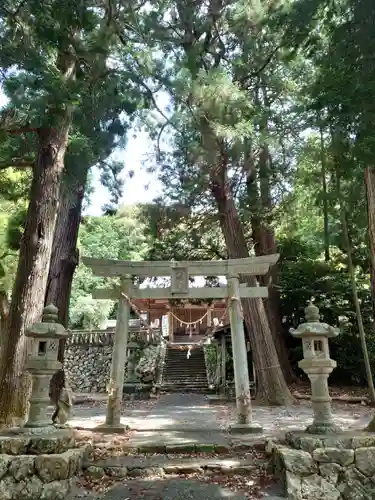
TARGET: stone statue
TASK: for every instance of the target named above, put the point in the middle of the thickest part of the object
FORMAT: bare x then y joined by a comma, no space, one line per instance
62,397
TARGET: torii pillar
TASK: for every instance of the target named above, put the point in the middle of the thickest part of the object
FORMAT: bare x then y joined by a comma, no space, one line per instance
244,422
117,375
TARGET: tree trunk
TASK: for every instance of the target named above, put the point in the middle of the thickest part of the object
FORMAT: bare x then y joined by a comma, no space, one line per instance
351,272
31,278
325,195
370,190
272,387
265,244
4,312
64,261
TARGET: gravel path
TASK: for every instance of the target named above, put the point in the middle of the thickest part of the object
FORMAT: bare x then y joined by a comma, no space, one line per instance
192,412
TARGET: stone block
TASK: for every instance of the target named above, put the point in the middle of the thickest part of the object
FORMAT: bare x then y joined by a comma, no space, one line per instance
95,472
119,472
317,488
56,490
365,461
4,465
75,458
146,472
12,445
363,441
245,429
301,441
182,469
330,472
41,445
269,446
28,489
53,467
112,429
7,487
353,485
334,455
22,467
297,462
342,441
309,443
292,486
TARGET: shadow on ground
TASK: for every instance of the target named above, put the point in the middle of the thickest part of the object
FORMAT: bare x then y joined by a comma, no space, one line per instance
177,489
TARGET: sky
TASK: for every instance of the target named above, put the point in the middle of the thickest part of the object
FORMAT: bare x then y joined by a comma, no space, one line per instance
142,187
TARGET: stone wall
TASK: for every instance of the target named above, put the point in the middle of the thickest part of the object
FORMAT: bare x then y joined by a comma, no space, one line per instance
334,467
38,467
88,366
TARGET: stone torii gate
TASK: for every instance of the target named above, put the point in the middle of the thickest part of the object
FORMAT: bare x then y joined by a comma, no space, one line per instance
179,272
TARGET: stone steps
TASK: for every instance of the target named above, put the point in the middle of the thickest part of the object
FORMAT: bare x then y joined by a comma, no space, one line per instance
184,389
177,377
182,463
185,375
162,465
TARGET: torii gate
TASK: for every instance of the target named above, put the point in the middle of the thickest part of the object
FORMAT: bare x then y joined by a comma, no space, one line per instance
179,272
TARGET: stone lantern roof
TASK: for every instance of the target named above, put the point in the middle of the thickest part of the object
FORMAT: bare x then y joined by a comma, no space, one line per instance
48,327
312,326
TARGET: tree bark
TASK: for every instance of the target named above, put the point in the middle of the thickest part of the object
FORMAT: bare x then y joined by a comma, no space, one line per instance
351,271
4,312
64,261
272,387
31,278
325,196
370,190
265,244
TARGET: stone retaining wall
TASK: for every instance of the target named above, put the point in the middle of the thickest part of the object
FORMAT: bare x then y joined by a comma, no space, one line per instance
88,366
38,468
334,467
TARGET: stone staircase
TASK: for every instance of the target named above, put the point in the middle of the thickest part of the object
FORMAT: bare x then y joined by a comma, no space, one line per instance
182,374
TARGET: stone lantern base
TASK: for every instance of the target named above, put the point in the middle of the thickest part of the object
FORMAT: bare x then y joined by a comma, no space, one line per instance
35,463
323,428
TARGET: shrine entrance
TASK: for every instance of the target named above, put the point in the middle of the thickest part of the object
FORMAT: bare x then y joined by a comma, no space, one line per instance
179,273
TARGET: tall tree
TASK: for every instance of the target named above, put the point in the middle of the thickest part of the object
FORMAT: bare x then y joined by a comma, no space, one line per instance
50,67
214,116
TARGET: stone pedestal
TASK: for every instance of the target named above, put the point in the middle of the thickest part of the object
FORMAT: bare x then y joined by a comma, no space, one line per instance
318,366
321,401
35,463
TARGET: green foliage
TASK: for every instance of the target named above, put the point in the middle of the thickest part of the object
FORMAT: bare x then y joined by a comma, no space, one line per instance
302,277
14,185
88,313
120,236
243,78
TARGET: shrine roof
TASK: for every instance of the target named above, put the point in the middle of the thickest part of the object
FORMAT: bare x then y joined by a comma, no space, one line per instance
164,305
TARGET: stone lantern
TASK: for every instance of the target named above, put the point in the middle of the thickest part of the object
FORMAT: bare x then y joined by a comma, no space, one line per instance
317,364
42,364
132,353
